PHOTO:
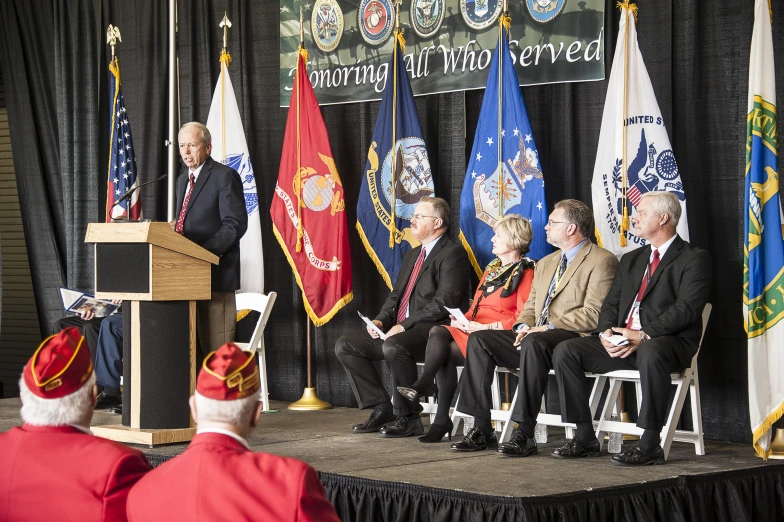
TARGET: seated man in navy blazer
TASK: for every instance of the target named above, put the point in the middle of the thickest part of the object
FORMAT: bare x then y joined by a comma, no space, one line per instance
656,302
432,276
211,213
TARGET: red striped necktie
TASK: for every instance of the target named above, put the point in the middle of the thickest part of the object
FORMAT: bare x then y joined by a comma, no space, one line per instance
403,306
178,227
644,284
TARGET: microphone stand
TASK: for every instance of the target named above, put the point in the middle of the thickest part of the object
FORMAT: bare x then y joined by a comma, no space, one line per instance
127,195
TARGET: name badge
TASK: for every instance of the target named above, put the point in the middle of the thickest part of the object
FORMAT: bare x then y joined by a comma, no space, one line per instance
636,316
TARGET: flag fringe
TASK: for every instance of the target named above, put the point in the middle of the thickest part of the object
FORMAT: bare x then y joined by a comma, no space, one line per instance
763,428
471,256
225,57
628,6
318,321
373,256
304,53
242,314
599,240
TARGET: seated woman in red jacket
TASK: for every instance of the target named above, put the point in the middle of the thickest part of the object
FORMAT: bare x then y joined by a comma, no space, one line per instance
501,295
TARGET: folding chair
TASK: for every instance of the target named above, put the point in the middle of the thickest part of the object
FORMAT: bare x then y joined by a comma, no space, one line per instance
684,381
261,303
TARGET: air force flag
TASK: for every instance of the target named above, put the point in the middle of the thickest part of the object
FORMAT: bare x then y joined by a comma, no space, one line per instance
503,174
649,160
397,174
230,148
763,274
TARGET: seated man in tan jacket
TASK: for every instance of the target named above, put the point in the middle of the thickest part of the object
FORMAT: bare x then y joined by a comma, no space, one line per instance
566,297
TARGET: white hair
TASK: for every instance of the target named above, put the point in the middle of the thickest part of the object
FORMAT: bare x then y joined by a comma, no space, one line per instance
237,412
206,137
71,409
664,202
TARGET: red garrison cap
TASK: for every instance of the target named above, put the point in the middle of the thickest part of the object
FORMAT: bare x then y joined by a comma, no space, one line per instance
229,374
60,366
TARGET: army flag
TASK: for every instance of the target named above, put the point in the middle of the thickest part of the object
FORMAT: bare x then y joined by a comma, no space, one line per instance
308,209
503,175
763,274
634,155
397,173
230,148
122,175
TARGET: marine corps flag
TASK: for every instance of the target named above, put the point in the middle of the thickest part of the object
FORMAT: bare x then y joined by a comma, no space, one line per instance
503,174
763,274
635,155
308,209
230,148
397,173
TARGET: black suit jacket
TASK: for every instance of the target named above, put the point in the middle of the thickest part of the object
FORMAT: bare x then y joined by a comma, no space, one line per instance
216,219
674,298
443,281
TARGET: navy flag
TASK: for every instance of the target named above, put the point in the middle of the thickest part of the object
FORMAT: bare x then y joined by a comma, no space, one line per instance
396,177
503,175
122,160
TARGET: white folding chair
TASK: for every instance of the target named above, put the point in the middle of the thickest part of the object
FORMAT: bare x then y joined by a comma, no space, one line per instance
496,413
685,381
431,405
261,303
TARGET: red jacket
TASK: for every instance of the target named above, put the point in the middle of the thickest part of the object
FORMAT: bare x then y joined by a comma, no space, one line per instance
61,473
217,478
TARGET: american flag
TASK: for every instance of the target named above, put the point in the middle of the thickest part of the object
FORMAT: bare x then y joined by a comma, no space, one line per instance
122,160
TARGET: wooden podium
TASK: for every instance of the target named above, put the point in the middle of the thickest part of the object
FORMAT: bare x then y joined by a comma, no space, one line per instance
159,275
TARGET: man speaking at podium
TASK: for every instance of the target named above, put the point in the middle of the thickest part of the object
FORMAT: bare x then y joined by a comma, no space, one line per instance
211,213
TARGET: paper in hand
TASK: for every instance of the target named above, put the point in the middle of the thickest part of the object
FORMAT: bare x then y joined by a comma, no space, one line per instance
458,315
617,340
368,322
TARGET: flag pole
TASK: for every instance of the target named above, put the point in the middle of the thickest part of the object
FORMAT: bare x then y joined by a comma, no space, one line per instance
225,60
398,40
310,399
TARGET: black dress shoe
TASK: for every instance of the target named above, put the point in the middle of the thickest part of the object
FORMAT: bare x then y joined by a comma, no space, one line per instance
116,410
475,441
574,449
404,426
520,445
104,401
423,387
437,431
637,457
374,423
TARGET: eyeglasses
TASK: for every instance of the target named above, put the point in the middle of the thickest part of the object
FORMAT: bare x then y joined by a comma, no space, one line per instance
551,223
421,216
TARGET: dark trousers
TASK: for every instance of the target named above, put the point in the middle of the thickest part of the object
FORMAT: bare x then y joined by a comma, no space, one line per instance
491,348
655,359
108,359
216,322
356,351
89,330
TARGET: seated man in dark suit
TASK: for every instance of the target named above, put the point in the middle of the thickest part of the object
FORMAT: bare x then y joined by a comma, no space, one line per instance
109,363
211,213
87,324
566,296
656,302
432,276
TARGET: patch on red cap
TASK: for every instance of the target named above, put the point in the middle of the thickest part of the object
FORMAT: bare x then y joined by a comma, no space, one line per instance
229,374
60,365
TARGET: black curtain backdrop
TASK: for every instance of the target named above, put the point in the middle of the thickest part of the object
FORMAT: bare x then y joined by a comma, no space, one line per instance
696,54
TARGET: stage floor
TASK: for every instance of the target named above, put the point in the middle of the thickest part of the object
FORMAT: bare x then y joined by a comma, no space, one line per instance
324,440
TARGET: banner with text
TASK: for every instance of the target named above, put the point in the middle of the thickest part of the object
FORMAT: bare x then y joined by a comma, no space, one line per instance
449,44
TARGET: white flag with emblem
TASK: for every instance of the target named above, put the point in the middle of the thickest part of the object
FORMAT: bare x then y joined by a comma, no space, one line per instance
648,164
230,148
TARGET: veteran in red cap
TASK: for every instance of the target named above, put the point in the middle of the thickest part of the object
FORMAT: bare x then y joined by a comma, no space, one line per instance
219,477
52,468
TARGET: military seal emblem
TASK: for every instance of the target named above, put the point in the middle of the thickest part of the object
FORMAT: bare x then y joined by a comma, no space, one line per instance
426,16
376,20
326,23
544,10
480,14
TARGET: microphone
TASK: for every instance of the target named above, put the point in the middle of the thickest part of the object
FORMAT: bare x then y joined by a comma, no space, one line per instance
131,190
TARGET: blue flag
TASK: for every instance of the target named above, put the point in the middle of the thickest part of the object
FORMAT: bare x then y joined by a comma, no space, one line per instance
383,226
494,188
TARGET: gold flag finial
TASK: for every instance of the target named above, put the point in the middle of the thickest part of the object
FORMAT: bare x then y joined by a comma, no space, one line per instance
301,29
112,37
225,24
397,3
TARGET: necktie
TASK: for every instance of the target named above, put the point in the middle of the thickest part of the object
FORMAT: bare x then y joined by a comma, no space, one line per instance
643,285
181,218
551,291
403,305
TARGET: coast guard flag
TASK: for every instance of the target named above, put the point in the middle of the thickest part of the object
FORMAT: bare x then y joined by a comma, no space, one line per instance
230,148
309,208
388,196
122,160
515,184
763,274
650,161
